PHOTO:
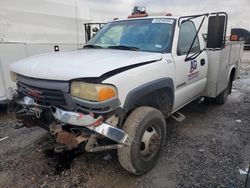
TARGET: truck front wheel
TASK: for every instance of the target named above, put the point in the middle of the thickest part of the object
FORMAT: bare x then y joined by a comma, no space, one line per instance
146,127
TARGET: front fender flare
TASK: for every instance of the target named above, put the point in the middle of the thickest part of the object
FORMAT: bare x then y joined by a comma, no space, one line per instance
142,90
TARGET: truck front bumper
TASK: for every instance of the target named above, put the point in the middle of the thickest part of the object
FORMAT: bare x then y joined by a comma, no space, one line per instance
96,125
74,118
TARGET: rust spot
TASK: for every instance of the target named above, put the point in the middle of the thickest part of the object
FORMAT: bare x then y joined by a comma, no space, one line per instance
66,138
69,139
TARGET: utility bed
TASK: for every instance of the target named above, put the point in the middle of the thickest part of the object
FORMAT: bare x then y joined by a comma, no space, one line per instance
220,64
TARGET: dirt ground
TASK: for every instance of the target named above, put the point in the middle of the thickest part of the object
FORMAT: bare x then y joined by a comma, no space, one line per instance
206,150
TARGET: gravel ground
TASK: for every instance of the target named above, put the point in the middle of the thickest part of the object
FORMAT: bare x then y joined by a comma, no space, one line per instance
206,150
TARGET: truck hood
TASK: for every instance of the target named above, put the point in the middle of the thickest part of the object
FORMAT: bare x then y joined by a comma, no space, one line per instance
80,64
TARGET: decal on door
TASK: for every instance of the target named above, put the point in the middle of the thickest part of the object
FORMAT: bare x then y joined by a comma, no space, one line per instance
193,67
193,75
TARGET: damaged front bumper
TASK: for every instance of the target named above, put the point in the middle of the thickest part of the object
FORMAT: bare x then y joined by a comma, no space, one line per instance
63,117
96,125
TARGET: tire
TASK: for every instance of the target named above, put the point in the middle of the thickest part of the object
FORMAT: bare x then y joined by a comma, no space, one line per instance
222,98
146,126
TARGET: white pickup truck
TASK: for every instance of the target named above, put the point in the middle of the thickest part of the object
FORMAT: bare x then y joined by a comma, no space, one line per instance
118,90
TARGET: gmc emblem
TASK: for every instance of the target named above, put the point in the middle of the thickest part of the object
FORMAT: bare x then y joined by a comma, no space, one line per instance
34,93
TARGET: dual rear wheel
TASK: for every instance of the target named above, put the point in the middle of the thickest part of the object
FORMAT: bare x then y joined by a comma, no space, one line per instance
222,98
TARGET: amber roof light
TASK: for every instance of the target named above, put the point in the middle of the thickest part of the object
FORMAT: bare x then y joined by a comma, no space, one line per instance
138,11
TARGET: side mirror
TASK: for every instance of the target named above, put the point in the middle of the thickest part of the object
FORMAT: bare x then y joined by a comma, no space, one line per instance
217,25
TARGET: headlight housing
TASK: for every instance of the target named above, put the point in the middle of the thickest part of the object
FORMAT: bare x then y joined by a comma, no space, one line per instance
13,76
92,92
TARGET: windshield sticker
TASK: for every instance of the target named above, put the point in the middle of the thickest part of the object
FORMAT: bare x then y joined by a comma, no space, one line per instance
158,46
163,20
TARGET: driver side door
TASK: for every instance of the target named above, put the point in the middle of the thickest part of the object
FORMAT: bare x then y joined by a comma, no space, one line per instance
190,79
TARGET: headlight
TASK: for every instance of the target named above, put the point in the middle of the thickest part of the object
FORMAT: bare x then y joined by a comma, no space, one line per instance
13,76
92,92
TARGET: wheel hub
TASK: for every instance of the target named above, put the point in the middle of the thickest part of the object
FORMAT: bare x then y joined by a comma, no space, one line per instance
154,143
150,142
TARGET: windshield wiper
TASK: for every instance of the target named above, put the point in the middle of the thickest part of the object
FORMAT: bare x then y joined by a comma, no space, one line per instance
123,47
92,46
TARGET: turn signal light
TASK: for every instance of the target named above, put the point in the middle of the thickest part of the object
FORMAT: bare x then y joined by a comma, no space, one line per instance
106,93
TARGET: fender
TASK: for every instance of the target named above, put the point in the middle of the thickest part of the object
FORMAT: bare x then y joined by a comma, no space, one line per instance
135,94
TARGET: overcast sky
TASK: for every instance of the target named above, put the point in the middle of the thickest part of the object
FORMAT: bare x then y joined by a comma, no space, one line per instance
238,10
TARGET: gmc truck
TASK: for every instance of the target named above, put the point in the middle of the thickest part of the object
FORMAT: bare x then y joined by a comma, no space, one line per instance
117,91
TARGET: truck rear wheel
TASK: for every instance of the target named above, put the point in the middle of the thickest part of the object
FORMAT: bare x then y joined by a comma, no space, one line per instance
222,98
146,127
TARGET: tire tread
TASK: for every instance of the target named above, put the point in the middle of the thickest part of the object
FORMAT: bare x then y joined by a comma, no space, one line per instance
130,126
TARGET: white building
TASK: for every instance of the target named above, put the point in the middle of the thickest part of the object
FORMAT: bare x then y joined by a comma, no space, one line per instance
30,27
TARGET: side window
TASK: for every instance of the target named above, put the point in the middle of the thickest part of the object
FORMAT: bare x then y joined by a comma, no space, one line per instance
186,36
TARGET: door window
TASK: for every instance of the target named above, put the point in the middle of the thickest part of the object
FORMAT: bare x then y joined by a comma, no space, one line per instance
186,37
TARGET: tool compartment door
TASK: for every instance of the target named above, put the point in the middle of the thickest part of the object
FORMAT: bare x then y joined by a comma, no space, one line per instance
236,56
223,69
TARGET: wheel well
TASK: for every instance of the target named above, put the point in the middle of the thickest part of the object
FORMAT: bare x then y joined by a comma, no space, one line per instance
160,99
158,94
231,79
232,74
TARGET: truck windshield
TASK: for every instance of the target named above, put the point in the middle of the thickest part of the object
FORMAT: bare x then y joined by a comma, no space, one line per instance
150,35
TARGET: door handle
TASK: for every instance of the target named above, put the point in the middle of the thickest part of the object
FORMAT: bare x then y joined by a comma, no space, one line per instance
203,62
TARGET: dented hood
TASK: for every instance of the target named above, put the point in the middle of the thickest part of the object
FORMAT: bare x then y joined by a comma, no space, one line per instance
80,64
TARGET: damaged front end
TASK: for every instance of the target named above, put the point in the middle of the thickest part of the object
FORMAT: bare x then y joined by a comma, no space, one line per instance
51,107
